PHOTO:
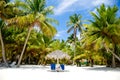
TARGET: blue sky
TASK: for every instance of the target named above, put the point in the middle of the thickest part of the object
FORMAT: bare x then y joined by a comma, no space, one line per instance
65,8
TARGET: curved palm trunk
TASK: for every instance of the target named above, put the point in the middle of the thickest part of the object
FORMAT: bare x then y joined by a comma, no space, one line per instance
19,61
116,56
3,49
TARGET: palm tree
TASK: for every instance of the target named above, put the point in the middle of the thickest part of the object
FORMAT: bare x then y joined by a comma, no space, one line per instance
75,25
7,11
36,12
104,30
2,24
3,7
70,39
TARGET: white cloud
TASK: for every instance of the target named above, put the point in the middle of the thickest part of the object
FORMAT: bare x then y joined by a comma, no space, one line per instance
62,7
60,33
77,5
99,2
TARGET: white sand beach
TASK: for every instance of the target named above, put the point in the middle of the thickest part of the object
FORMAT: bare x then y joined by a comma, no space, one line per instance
35,72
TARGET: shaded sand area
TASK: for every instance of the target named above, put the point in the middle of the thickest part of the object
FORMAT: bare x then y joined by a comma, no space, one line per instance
35,72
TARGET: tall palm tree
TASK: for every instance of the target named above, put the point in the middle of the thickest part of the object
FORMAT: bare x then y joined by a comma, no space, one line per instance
7,11
36,13
2,24
104,30
75,25
4,7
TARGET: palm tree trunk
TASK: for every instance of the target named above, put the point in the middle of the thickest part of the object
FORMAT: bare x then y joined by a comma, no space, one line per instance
116,56
30,29
113,61
74,44
113,57
3,50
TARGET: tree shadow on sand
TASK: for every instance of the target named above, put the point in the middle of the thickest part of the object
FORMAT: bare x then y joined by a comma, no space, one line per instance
103,69
27,67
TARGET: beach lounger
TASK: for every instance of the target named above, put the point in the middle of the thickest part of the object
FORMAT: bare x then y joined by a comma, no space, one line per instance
62,67
53,67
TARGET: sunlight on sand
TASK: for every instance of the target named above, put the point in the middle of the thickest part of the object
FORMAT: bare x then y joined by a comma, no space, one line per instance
33,72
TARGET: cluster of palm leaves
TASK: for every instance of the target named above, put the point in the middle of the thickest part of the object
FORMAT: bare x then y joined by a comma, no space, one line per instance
103,32
26,32
30,14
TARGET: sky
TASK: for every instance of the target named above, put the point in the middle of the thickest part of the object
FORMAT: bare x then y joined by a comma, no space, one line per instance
65,8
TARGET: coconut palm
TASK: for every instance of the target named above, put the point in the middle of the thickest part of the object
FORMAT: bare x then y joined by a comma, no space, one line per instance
8,10
40,43
2,24
36,12
104,30
70,39
75,24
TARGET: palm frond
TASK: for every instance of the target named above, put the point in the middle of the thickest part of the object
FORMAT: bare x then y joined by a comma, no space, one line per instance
70,29
51,20
48,10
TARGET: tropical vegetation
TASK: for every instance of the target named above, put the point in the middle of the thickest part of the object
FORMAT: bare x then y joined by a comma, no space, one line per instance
27,35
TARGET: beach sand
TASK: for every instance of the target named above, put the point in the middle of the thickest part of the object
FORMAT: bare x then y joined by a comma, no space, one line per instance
37,72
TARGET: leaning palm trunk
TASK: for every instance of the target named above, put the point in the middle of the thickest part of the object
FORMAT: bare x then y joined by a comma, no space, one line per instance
116,56
19,61
3,50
